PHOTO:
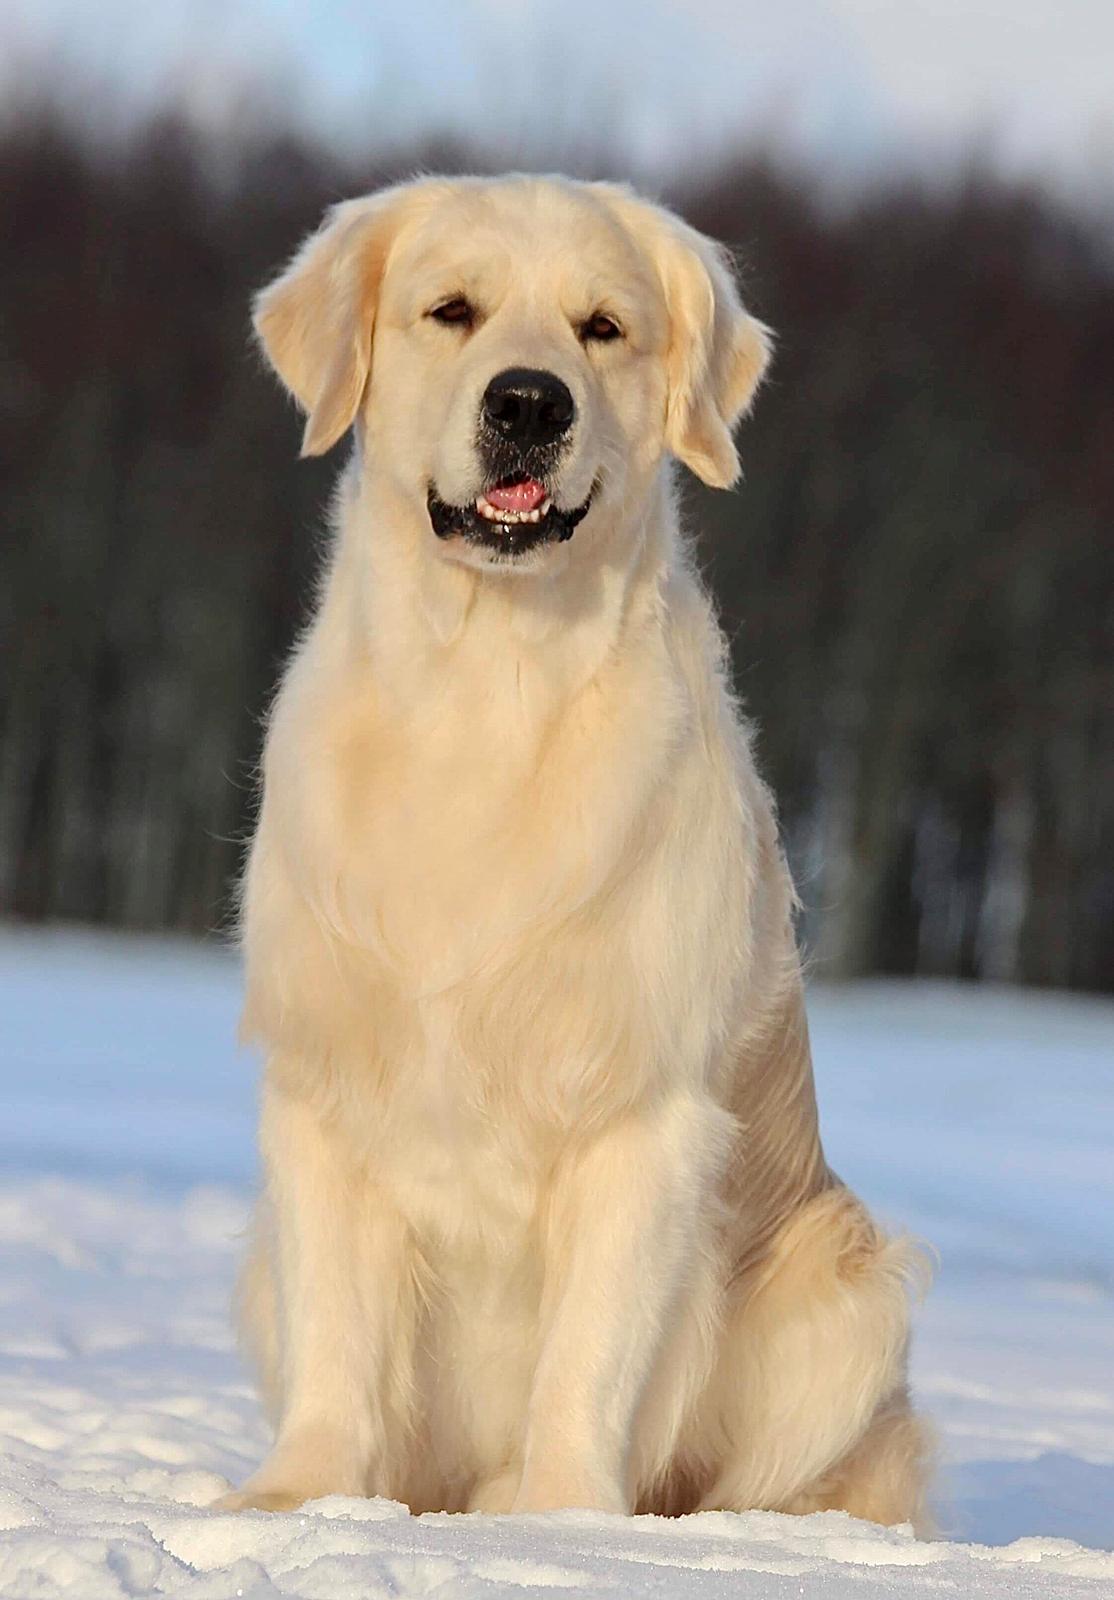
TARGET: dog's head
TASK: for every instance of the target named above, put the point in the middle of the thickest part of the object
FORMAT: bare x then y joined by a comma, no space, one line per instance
519,352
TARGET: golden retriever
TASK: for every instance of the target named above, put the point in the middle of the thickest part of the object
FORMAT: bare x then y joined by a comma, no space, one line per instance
546,1219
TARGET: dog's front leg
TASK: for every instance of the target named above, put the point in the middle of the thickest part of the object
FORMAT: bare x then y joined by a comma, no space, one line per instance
340,1273
624,1222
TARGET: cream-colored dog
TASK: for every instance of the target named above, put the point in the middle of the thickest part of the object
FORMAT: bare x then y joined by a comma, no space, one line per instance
546,1219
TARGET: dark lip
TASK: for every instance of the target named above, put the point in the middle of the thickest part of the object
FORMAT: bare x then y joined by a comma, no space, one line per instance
506,539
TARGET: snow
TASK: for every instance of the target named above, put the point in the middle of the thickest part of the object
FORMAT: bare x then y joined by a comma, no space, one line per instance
981,1120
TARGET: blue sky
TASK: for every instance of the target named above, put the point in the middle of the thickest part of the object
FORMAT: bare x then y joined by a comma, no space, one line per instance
850,84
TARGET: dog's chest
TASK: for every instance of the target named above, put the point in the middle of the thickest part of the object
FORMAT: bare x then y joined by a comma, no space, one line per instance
460,1157
482,903
451,845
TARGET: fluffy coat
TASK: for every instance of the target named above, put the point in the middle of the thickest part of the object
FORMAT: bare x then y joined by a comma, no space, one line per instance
546,1219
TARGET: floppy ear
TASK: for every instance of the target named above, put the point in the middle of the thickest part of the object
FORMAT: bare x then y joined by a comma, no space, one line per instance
717,352
315,321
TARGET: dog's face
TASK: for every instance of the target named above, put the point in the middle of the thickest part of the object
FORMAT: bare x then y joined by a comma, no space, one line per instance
520,352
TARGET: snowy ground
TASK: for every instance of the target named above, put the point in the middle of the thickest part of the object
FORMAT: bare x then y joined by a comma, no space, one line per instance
983,1121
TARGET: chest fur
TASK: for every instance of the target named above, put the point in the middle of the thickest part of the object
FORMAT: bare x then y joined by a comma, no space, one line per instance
496,911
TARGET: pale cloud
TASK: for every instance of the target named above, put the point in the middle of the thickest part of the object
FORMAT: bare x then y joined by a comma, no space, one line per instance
851,84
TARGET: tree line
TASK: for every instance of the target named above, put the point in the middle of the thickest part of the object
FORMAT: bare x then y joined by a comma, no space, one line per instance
917,576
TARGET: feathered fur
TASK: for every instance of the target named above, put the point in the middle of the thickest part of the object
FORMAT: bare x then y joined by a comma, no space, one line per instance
546,1218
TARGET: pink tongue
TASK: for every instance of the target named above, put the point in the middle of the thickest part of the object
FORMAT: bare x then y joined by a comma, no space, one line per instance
526,495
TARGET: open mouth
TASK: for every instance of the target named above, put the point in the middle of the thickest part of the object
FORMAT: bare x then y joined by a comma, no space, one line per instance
510,517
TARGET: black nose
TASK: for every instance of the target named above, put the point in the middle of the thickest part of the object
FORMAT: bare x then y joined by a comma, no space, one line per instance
527,406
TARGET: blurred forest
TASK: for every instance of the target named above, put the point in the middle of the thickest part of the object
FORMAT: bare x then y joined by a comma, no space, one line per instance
917,576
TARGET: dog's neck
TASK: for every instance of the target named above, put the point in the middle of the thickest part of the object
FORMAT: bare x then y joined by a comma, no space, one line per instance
424,623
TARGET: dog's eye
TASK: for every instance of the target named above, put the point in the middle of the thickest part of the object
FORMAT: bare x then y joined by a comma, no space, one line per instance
601,327
458,312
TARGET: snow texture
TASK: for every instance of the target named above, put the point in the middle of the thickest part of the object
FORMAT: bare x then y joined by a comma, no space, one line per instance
981,1120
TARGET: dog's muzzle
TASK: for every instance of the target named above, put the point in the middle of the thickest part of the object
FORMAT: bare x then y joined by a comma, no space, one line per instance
525,423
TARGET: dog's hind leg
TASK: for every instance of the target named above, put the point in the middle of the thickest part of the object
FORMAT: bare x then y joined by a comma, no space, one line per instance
885,1477
809,1399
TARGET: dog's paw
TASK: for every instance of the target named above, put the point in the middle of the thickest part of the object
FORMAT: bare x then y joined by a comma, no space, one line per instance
260,1499
307,1463
496,1495
567,1491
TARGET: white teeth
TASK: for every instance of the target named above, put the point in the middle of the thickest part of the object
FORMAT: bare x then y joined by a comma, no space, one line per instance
494,514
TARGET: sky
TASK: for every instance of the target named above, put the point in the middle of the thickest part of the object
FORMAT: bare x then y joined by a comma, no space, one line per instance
850,85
